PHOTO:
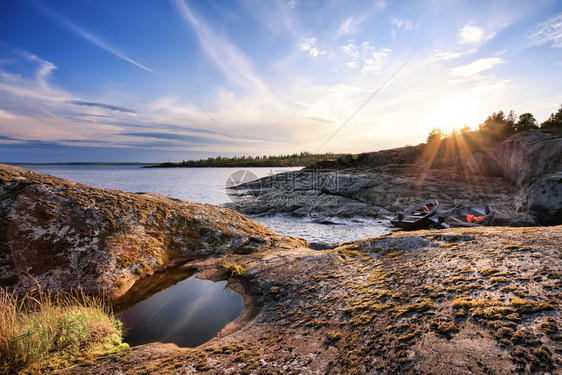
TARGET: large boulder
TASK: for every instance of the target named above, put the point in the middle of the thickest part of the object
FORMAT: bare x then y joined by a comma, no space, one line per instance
62,235
533,161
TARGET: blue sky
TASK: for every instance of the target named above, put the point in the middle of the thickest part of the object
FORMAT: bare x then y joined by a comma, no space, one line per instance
155,80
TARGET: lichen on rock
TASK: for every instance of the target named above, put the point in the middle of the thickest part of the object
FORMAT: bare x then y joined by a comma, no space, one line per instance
63,235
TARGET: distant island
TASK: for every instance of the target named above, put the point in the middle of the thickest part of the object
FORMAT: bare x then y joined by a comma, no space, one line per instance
295,160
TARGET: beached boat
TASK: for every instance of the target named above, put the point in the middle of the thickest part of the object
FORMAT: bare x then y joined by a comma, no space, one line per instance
417,217
469,215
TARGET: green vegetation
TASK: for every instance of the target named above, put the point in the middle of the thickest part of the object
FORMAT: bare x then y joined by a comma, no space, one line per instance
294,160
232,268
554,121
499,126
46,332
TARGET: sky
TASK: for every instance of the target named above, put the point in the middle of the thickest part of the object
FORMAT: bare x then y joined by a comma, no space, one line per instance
158,80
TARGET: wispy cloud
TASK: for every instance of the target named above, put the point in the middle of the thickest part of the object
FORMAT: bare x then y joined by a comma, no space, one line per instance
83,33
365,56
381,4
310,46
232,62
475,67
549,31
349,26
402,23
102,105
177,137
32,109
447,55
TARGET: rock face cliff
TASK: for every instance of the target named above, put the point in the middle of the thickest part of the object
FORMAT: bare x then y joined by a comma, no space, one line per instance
62,235
521,180
533,162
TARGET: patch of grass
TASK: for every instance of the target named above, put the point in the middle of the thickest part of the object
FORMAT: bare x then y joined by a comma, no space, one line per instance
447,328
499,280
484,309
489,271
549,326
422,305
505,332
275,290
46,332
527,306
524,336
232,268
334,336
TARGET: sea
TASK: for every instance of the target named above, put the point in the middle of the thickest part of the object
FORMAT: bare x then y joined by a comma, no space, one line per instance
208,185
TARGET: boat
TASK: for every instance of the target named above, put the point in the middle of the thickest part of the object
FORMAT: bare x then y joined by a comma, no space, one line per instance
463,216
470,215
417,217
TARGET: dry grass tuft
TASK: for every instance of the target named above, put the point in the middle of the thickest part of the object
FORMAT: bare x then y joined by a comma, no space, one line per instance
44,332
232,268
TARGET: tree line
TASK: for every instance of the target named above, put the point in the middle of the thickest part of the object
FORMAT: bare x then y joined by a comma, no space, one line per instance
295,160
501,126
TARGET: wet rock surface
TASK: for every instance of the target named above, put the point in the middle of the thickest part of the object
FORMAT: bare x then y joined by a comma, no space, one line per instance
521,179
464,300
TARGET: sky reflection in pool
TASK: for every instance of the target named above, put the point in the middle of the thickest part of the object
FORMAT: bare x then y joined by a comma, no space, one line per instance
187,314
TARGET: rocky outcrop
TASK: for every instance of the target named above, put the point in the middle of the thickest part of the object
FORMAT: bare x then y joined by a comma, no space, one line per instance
533,161
62,235
522,181
458,301
464,300
377,192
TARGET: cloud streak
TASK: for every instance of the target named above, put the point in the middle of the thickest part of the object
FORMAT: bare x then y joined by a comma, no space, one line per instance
102,105
81,32
475,67
549,31
232,62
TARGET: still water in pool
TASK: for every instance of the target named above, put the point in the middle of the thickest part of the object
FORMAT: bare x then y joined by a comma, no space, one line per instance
188,313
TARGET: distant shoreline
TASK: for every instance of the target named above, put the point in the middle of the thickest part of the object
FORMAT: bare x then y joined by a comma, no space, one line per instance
80,163
233,165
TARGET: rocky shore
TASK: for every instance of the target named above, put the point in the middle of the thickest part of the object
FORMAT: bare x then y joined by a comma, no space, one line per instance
462,301
483,300
62,235
521,179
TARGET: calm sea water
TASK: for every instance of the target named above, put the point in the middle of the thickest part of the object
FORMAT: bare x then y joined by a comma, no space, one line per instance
208,185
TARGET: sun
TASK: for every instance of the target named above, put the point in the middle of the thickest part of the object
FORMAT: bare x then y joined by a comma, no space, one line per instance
454,112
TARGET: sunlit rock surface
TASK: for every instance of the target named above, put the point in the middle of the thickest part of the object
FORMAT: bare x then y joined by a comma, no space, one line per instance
457,301
62,235
521,180
464,300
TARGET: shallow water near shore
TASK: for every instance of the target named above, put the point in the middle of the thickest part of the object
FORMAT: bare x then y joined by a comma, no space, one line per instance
207,185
